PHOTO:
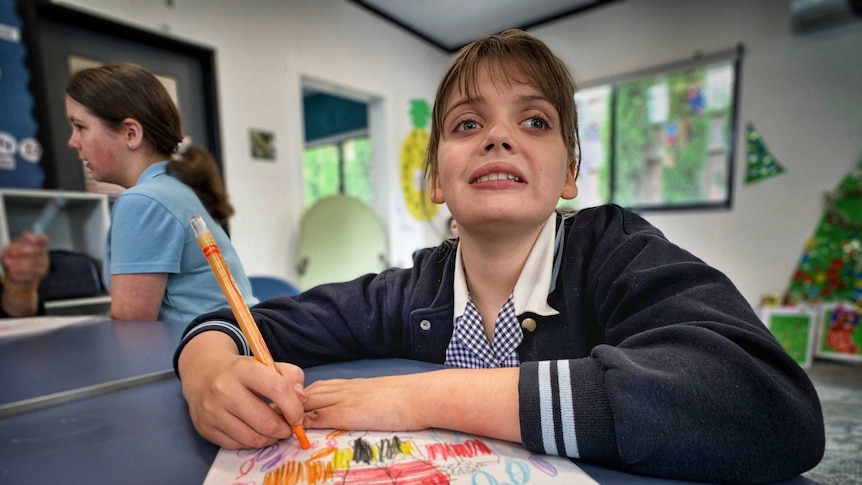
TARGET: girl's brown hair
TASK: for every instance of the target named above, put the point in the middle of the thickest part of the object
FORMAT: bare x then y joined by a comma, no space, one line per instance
197,168
115,92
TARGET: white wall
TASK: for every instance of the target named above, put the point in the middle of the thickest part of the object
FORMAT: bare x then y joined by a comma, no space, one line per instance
803,93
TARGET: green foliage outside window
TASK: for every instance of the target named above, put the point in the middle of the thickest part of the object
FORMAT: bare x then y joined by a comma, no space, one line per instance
320,171
358,171
342,167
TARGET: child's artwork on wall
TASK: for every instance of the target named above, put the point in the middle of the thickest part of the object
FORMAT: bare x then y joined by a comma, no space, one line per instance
830,268
405,458
262,144
413,163
796,330
840,335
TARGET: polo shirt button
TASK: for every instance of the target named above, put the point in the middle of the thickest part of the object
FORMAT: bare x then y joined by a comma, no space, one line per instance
529,325
425,325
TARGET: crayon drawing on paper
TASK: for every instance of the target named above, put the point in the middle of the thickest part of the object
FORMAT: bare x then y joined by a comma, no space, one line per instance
429,457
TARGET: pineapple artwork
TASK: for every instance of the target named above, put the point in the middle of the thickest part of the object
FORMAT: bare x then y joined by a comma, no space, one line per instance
413,164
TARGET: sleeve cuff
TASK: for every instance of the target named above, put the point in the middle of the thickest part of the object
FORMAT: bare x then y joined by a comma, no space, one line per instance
565,410
218,325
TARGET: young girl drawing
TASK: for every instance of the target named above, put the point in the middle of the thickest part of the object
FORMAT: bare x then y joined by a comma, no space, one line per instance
588,336
125,127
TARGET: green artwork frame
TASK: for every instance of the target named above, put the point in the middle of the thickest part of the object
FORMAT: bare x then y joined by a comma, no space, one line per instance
840,333
796,329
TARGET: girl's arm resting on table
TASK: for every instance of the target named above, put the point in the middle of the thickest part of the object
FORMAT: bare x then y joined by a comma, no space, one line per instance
483,402
137,296
223,391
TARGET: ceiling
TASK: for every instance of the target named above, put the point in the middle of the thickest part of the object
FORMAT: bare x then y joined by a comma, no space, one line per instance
451,24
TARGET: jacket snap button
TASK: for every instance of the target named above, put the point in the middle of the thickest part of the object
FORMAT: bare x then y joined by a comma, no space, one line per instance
529,325
425,325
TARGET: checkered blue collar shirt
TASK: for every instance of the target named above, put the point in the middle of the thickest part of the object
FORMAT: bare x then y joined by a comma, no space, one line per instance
469,347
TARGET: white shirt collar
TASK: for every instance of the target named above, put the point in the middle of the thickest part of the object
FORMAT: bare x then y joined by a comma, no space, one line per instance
534,283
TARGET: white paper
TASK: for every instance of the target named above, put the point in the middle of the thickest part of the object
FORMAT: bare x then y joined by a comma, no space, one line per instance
410,457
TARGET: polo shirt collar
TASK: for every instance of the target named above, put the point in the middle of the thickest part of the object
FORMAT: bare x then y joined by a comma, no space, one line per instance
153,171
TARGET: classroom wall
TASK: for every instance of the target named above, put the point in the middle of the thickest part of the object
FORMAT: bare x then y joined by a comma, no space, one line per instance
801,92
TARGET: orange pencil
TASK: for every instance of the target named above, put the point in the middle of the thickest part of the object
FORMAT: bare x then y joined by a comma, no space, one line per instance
238,306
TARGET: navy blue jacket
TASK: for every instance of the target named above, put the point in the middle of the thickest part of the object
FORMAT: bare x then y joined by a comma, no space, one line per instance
655,365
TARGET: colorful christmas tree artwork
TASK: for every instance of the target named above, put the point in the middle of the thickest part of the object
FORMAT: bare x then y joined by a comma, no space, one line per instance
760,164
830,269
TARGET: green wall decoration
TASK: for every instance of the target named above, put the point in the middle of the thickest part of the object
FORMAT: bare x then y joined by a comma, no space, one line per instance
760,164
795,329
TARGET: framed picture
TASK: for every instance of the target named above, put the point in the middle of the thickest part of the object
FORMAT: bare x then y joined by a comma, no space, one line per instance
796,330
262,144
840,333
62,40
662,138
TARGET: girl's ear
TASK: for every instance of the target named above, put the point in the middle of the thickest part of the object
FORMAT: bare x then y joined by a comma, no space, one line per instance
133,133
435,190
570,186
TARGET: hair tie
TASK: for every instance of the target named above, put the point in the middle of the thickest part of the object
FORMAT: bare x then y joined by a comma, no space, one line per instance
182,147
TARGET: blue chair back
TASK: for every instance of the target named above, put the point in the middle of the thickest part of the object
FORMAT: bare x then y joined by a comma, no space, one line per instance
266,287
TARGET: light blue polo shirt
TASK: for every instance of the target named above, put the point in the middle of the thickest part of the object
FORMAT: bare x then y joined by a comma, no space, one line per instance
150,233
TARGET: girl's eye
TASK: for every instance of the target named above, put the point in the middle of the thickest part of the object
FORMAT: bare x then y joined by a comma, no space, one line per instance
466,125
537,123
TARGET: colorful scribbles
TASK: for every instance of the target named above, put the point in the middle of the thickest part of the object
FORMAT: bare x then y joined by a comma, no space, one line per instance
432,457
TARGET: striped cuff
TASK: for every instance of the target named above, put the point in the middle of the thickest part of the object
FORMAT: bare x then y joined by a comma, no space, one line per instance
565,411
231,330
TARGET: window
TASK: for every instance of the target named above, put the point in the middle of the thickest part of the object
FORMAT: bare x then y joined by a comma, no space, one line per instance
660,139
338,167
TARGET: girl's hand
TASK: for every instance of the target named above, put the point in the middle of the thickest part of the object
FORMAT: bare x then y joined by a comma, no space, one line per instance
483,402
223,391
377,404
25,260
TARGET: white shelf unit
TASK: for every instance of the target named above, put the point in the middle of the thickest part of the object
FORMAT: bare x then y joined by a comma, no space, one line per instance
81,226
